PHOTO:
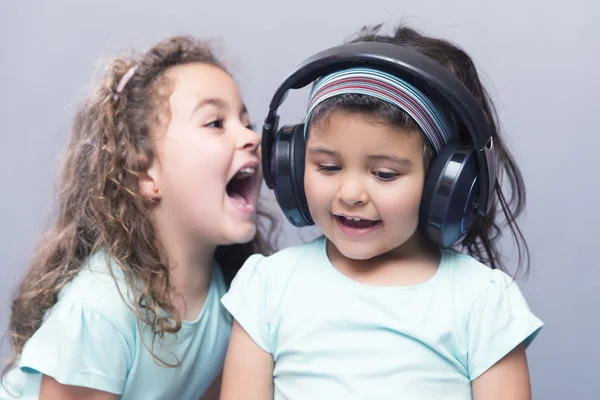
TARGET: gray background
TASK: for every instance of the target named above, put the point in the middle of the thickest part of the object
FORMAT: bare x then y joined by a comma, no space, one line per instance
538,58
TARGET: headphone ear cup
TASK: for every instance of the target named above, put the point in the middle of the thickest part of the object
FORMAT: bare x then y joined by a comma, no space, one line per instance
298,154
287,165
448,206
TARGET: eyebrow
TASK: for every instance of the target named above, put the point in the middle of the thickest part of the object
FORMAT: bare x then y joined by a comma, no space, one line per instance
323,150
383,156
391,157
217,103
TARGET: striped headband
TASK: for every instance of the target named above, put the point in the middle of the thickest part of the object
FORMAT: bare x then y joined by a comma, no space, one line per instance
437,124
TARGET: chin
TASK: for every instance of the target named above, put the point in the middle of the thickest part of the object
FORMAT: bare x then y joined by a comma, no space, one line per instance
361,255
243,233
358,251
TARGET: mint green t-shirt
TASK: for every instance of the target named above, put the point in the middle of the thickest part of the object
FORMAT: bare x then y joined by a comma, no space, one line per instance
91,338
334,338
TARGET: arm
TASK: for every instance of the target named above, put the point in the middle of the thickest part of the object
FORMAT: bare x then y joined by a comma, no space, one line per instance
248,372
50,389
212,393
507,379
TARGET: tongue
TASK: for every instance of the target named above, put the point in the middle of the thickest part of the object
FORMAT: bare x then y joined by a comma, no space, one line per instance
361,224
235,190
238,200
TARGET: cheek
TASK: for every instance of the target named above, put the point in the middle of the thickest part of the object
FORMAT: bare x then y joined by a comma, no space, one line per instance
195,165
319,190
403,201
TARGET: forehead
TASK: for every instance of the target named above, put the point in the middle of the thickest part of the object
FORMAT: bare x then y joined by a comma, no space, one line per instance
194,82
358,133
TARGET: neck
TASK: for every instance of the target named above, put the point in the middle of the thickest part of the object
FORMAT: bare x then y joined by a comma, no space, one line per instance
190,264
412,263
415,249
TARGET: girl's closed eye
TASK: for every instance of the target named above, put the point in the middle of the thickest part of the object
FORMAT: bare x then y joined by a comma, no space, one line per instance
328,168
386,176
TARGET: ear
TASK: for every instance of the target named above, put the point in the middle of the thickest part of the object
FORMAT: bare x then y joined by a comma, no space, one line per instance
150,182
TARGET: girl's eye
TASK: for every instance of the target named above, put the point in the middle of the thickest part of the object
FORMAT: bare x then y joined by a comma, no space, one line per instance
252,127
328,168
217,123
385,176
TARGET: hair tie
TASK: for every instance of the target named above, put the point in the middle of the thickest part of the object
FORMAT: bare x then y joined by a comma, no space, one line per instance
435,122
123,82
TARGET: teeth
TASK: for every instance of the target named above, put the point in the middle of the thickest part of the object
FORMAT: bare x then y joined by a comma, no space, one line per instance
350,219
245,172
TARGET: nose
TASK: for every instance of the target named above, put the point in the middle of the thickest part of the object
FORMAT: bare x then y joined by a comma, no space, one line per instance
352,191
247,139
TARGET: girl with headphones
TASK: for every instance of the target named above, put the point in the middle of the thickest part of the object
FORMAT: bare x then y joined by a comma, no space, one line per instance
405,295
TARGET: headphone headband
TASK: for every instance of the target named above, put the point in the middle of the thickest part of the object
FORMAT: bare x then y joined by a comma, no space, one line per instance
425,73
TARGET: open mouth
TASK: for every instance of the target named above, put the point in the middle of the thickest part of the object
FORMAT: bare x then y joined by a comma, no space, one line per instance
358,223
240,188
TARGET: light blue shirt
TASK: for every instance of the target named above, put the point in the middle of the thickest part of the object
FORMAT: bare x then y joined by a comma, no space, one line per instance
91,338
334,338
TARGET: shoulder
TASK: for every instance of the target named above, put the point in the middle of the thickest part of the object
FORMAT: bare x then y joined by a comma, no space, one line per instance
259,286
265,278
289,257
101,288
483,290
494,313
470,280
465,264
88,338
471,273
284,262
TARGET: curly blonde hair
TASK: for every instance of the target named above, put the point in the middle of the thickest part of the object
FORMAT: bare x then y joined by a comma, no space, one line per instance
100,206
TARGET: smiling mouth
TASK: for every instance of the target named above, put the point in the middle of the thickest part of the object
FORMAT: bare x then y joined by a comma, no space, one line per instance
240,187
357,223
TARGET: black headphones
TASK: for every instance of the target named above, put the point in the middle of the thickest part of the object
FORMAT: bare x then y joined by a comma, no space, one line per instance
461,180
